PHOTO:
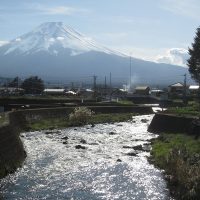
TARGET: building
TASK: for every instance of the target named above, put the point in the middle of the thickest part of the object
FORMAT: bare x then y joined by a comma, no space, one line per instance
193,90
176,89
70,93
11,91
156,92
54,91
142,90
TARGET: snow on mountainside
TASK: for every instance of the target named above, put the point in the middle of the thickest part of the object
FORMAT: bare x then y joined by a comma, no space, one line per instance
52,37
53,50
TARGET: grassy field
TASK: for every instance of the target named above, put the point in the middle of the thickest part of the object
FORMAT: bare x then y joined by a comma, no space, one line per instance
179,156
192,109
54,123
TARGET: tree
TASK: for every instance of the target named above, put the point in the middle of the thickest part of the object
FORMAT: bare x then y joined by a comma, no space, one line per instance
80,116
15,82
194,60
33,85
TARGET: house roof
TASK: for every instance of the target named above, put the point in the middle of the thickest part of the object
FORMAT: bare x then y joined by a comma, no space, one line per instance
142,87
54,90
176,85
193,87
155,91
70,92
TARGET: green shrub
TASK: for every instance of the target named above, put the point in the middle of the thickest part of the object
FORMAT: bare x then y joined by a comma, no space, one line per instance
80,116
179,156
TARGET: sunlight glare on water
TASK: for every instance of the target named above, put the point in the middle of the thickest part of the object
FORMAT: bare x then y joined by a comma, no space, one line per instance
102,169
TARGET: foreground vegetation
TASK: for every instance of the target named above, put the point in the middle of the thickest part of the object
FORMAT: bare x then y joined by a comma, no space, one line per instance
3,119
192,109
179,156
53,123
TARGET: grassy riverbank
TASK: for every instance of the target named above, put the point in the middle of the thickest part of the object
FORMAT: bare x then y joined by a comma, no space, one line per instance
191,109
179,156
53,123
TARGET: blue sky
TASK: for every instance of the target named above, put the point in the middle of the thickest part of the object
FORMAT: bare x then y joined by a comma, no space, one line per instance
158,30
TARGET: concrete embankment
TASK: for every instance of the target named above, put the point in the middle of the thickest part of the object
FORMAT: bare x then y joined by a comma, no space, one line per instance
42,113
12,153
169,123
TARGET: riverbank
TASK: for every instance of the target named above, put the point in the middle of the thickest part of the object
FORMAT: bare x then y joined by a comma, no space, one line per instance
179,156
177,152
12,154
60,123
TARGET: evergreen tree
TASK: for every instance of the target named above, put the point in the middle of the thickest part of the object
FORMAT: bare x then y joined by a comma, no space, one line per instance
194,60
15,82
33,85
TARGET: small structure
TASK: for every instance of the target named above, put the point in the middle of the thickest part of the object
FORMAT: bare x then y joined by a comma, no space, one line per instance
119,93
142,90
70,93
156,92
54,91
193,90
176,89
4,91
85,93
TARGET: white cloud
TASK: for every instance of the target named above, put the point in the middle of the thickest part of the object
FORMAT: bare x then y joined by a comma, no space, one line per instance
175,56
18,39
52,40
38,8
189,8
60,38
59,10
3,43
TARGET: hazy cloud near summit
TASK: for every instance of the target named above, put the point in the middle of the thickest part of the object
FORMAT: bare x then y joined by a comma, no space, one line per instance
3,42
175,56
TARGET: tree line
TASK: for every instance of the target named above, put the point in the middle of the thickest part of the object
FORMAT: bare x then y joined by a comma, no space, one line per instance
31,85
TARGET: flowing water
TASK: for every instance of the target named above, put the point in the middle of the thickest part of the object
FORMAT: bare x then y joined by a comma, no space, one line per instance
105,165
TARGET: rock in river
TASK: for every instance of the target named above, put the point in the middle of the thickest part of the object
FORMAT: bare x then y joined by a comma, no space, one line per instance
80,147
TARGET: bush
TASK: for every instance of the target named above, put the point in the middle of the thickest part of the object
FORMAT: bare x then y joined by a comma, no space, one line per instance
80,116
179,156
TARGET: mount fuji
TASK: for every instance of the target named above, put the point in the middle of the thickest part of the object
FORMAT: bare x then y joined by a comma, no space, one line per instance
55,51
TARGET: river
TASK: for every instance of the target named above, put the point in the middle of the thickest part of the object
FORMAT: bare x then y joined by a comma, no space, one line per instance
88,163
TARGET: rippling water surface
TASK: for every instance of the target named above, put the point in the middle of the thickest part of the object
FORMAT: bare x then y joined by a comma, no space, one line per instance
108,168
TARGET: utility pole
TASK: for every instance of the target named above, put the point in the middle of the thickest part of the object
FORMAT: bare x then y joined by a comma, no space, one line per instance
110,85
184,89
95,85
17,83
130,73
94,82
105,83
72,85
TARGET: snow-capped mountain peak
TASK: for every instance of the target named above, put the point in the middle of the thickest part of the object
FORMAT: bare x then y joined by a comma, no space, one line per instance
53,37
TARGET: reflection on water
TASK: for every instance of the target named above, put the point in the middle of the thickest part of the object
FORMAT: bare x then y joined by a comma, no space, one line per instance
101,162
